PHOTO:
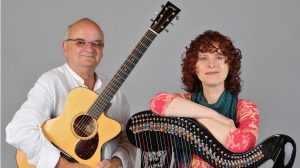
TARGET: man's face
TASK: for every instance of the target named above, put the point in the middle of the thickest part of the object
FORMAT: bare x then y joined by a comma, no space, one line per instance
84,47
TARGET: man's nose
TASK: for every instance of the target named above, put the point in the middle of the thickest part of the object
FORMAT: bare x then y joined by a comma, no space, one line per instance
89,46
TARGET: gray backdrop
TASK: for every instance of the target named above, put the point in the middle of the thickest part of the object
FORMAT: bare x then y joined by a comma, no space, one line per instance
265,31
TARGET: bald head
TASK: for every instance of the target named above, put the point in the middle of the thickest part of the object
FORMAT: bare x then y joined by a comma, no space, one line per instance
80,46
82,24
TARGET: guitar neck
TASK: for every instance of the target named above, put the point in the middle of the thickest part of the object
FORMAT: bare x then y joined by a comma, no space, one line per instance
113,86
166,15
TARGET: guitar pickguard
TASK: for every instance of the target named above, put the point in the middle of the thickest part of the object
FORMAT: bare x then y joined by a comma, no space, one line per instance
85,149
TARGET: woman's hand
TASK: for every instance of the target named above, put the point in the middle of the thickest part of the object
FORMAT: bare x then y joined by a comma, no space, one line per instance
226,121
218,129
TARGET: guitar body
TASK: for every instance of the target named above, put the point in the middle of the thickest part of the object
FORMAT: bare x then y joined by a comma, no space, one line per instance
61,132
22,160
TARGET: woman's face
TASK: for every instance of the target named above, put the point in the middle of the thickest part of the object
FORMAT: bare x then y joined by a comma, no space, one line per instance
212,69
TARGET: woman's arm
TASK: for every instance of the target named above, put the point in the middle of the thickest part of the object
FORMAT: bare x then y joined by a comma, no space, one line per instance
219,130
179,105
168,104
245,135
235,139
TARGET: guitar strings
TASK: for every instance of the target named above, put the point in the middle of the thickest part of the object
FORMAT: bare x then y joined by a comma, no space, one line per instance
114,85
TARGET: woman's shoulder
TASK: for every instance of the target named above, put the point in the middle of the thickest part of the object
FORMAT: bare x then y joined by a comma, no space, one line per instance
169,96
246,103
184,95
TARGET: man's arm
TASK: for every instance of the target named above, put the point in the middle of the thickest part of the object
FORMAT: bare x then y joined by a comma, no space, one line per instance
24,131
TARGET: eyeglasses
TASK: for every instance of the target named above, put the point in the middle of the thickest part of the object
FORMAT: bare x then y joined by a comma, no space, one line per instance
82,43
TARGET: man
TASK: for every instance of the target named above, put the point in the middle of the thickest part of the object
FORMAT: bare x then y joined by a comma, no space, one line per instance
83,48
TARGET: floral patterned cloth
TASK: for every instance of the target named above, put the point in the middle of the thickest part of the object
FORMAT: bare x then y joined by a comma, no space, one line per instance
240,139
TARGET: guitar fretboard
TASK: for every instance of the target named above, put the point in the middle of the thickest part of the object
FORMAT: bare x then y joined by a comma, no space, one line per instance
113,86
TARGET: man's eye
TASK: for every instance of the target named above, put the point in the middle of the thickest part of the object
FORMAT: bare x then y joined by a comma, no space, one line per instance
80,43
97,43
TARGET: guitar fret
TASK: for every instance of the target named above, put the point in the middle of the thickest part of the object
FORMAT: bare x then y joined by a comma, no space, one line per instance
145,37
138,50
144,45
128,65
124,72
134,60
141,47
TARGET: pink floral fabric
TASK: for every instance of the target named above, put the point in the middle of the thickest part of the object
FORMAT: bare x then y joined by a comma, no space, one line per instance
240,139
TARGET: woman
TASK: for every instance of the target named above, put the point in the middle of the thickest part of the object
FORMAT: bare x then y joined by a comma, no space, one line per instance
211,76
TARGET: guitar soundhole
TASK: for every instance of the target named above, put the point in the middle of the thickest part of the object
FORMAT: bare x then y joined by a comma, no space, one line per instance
84,126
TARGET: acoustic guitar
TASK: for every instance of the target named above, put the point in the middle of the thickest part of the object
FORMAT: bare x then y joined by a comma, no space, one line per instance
82,129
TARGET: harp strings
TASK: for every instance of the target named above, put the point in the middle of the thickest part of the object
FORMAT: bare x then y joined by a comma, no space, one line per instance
163,138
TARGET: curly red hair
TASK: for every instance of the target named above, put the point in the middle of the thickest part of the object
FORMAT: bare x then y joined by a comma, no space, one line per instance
207,42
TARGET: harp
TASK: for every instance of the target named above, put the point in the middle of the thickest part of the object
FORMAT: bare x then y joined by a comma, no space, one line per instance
163,138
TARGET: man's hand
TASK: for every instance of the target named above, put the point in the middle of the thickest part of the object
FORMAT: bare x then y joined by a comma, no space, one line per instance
115,162
63,163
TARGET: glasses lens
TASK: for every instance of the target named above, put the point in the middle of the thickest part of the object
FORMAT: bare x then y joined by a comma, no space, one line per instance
97,44
80,43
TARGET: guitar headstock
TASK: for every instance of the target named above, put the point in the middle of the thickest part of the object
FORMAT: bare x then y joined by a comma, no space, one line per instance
165,16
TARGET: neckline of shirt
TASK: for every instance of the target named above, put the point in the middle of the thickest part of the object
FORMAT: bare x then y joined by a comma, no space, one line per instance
98,83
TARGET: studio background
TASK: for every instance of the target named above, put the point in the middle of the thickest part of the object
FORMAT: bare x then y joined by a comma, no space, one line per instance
267,32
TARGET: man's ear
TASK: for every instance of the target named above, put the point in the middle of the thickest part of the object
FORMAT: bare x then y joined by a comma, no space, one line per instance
65,46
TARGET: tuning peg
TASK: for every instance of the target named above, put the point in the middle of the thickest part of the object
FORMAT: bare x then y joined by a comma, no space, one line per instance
176,17
171,24
166,30
152,20
156,13
162,6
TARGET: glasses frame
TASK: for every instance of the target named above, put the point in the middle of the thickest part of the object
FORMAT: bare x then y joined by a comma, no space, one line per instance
97,44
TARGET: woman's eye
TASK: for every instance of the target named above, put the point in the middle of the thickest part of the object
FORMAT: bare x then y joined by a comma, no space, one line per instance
202,58
220,57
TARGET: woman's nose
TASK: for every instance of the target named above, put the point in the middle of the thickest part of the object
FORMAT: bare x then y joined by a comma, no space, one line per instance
211,63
